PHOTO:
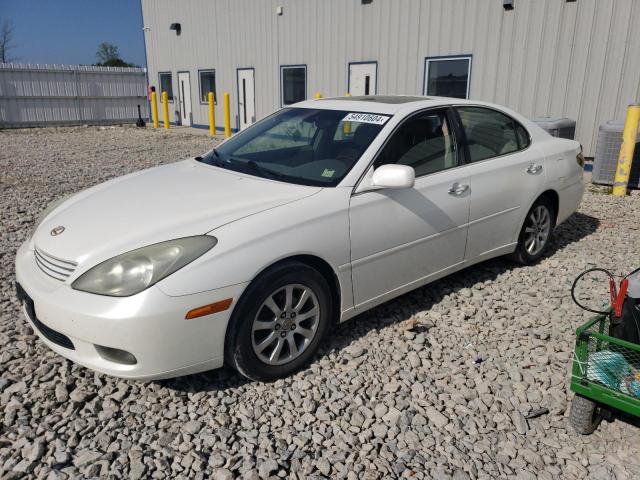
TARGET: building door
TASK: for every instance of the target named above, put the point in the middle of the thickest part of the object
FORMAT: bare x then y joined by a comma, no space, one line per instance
246,98
184,92
362,78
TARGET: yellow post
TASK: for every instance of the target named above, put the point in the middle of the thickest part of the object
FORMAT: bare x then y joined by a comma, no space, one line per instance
629,135
227,116
212,115
346,126
318,95
165,109
154,109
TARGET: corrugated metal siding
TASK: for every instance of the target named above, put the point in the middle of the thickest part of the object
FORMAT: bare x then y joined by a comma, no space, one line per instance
545,58
40,95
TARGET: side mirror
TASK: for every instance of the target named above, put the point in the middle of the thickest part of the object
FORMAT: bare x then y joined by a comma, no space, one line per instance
393,176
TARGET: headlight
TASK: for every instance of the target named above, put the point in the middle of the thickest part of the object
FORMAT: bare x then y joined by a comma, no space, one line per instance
50,208
134,271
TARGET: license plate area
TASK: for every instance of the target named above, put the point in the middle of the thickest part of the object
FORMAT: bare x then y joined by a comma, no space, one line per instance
49,333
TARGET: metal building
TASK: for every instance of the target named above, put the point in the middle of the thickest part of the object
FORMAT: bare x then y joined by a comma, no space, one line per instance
560,58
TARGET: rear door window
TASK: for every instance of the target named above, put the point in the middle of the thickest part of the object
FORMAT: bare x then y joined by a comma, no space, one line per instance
491,133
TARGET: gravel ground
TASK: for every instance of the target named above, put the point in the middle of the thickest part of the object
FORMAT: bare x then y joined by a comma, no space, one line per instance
395,392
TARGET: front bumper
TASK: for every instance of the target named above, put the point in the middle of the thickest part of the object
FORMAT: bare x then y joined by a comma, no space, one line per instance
150,325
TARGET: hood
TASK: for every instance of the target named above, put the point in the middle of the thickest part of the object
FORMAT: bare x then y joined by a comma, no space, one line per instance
171,201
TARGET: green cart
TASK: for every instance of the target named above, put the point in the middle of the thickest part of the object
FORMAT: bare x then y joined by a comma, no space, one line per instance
605,375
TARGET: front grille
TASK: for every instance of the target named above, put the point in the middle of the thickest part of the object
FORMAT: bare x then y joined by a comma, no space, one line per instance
48,332
53,266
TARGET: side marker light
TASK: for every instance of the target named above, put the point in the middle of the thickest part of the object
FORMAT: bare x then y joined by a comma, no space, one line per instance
216,307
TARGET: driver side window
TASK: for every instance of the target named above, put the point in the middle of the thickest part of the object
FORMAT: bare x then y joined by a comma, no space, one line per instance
424,142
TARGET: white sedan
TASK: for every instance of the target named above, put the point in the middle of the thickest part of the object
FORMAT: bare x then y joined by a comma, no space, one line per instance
248,254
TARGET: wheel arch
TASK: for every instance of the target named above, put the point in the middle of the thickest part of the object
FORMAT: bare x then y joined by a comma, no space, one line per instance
321,266
554,198
329,274
551,196
317,263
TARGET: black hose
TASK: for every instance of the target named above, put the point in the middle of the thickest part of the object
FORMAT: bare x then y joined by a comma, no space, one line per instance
575,282
629,274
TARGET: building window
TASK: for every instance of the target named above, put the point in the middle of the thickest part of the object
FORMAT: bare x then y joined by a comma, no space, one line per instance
294,84
166,85
207,84
447,76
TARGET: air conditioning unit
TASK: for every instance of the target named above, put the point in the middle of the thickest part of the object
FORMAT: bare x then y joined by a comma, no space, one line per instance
558,127
607,151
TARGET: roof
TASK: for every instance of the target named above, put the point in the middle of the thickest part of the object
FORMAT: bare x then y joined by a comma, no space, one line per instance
389,104
390,99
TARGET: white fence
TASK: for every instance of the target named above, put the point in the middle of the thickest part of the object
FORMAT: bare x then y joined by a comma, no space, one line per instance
45,95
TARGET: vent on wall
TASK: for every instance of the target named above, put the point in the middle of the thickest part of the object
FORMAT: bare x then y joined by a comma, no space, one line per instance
507,4
607,151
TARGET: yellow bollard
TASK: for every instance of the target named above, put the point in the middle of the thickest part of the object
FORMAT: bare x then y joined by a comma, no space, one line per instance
318,95
227,116
154,109
212,114
629,135
346,126
165,109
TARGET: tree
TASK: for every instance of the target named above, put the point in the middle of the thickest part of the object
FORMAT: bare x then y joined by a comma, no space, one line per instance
107,52
108,56
6,42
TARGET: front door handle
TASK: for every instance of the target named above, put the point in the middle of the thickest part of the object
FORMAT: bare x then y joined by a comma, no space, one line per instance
457,189
534,168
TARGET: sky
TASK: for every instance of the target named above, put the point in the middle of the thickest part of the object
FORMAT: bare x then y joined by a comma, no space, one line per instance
69,31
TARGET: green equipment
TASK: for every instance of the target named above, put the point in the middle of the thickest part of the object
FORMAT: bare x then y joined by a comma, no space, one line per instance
606,363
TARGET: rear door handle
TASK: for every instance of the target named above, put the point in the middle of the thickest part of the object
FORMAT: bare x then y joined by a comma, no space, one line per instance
534,168
457,189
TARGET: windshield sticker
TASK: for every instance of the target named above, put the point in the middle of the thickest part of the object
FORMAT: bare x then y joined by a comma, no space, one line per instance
328,173
366,118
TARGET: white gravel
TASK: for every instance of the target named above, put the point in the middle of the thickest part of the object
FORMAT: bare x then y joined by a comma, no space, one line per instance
396,392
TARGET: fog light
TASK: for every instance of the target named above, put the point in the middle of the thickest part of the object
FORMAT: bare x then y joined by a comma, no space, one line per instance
115,355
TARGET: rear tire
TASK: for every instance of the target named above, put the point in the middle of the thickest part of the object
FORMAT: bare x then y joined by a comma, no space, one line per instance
536,231
585,415
274,331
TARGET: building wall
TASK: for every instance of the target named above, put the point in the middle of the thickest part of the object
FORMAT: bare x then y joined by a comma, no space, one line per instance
545,58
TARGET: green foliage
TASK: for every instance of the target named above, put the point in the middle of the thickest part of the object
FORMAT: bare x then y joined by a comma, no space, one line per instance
108,56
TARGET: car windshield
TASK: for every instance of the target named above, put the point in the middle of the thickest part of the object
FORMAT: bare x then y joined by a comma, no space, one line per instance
300,145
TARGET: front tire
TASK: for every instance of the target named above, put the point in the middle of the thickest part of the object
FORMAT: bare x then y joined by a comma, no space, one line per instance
535,233
279,322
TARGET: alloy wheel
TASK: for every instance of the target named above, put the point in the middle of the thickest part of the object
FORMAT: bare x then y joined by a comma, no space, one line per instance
285,324
537,230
